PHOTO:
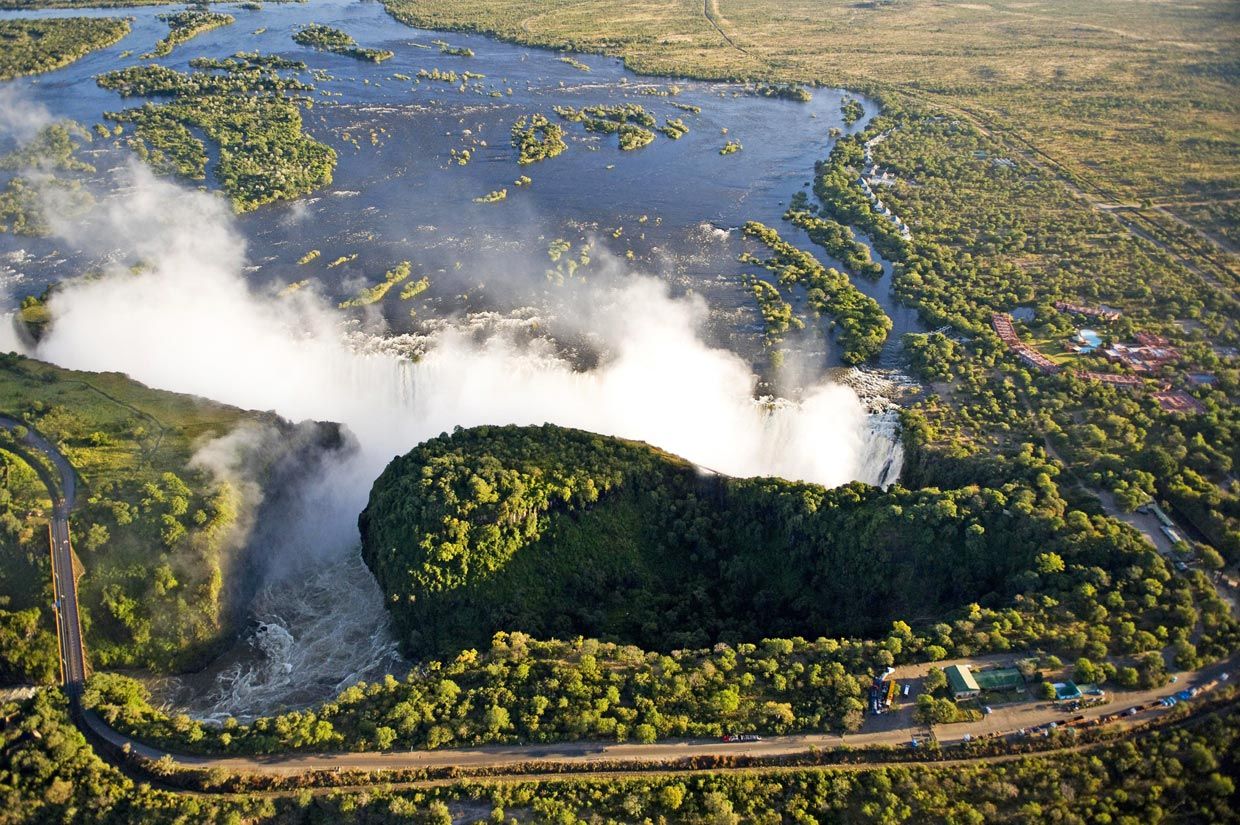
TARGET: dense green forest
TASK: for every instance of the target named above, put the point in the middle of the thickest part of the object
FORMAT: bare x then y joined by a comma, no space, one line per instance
1182,774
558,532
33,46
241,103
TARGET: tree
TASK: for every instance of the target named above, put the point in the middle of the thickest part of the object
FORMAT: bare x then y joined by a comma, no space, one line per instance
672,796
1048,691
496,719
1049,563
1086,671
935,680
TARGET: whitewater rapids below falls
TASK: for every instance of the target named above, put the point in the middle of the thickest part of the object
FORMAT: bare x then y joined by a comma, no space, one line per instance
322,628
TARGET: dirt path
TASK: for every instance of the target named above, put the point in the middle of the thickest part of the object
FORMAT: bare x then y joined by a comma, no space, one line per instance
710,8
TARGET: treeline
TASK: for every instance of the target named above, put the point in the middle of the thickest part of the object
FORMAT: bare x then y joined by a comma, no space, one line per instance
1181,773
243,105
785,91
524,690
861,326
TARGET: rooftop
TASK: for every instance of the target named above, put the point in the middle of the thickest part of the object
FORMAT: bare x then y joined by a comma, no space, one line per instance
961,679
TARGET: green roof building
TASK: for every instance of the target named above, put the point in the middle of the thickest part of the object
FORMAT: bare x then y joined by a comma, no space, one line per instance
1002,678
960,680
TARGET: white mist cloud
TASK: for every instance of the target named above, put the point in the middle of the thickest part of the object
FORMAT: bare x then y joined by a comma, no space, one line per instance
190,322
20,117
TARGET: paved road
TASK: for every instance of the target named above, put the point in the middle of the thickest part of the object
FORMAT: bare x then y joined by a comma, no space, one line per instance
894,728
68,622
1002,722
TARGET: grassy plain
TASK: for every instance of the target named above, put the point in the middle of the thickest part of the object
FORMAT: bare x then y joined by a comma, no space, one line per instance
1136,99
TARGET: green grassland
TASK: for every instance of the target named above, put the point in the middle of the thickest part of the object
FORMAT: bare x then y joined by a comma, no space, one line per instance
151,530
1137,96
33,46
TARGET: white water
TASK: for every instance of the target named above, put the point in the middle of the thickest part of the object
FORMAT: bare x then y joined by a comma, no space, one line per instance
190,322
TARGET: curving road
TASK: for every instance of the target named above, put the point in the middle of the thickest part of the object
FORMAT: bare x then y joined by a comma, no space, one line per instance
893,728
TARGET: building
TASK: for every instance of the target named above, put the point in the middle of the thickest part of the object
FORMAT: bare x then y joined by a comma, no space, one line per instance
1124,381
1035,359
1149,339
999,678
960,680
1002,322
1178,401
1066,691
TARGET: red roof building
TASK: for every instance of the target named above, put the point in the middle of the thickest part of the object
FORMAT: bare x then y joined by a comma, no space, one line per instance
1124,381
1178,401
1002,322
1035,359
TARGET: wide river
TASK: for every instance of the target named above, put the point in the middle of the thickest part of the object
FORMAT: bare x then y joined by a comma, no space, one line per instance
671,209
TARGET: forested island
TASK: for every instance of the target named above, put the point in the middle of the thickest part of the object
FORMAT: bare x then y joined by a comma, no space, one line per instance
33,46
241,103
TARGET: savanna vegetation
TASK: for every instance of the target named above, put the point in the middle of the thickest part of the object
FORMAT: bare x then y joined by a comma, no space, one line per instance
34,46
